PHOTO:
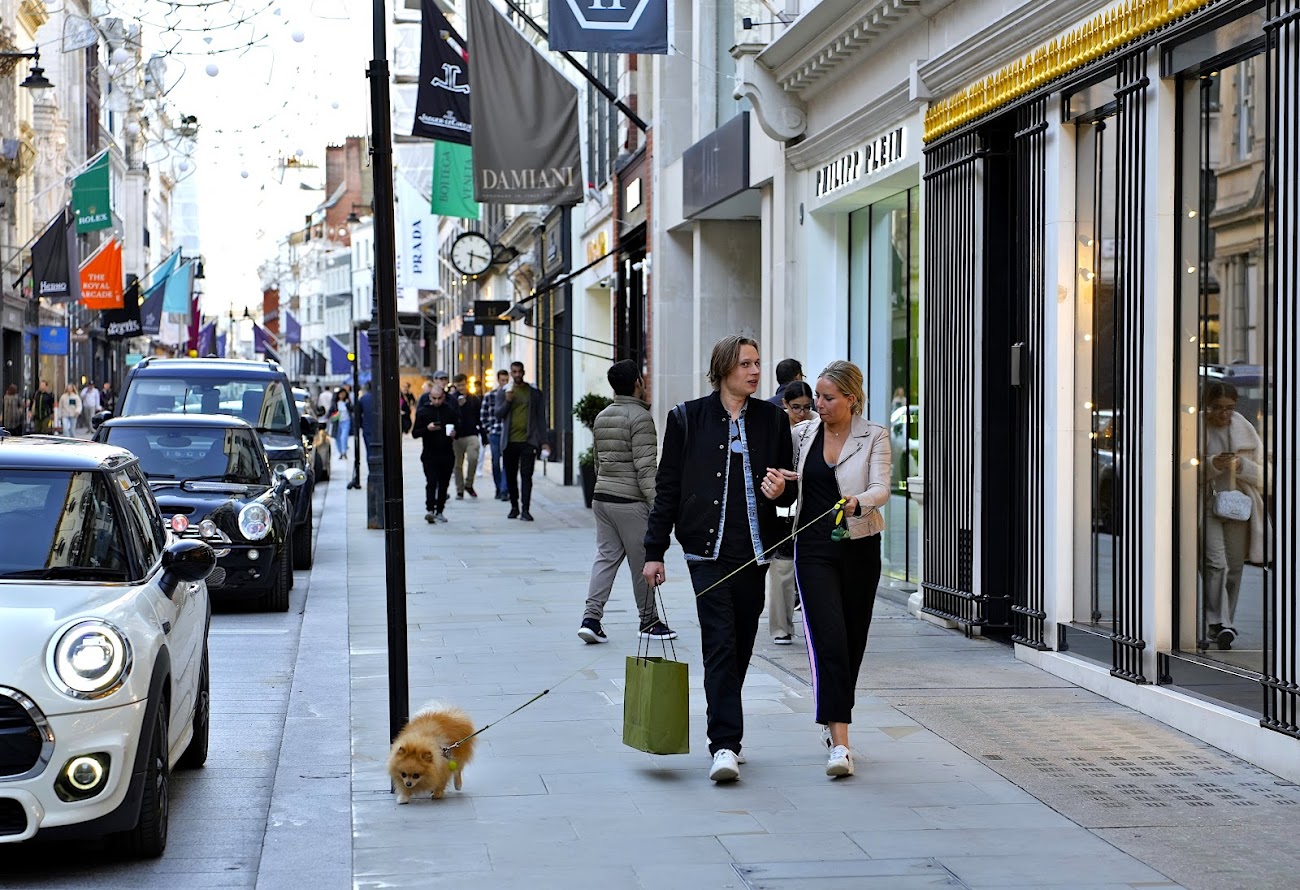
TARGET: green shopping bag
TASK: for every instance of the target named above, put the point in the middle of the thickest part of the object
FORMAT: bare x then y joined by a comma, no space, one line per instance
656,701
656,713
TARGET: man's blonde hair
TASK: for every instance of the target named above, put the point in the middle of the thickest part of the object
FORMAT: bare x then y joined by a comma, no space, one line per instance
726,355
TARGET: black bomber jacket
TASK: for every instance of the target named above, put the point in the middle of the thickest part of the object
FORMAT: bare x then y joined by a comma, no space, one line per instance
689,485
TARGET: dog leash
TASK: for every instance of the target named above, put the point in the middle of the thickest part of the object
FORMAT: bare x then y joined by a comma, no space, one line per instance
446,751
838,534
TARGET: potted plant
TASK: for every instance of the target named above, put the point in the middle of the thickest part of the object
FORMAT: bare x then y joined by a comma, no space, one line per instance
585,410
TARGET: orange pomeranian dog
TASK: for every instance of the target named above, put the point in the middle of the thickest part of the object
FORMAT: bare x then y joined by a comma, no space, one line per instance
417,762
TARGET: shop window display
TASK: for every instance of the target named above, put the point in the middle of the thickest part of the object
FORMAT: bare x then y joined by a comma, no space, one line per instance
1225,390
884,339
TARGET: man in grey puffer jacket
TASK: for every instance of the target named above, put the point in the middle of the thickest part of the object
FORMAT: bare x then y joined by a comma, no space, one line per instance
627,451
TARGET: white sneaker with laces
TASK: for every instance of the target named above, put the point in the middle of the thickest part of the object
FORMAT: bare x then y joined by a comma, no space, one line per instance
726,768
840,763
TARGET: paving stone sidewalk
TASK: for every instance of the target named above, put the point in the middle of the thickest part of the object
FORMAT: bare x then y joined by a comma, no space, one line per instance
554,799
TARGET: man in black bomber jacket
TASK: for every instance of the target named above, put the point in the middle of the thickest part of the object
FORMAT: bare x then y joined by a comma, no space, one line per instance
722,473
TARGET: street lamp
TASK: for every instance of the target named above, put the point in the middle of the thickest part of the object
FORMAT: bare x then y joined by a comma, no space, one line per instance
352,216
36,79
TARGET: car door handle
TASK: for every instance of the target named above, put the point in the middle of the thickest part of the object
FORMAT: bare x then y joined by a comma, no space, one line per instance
167,627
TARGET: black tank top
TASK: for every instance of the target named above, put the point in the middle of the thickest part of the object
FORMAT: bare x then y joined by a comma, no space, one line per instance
820,490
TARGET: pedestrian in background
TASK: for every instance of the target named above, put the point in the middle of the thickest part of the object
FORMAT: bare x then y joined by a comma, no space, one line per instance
493,428
342,423
797,400
524,411
839,454
406,406
15,412
108,398
69,410
367,416
435,426
89,404
721,477
626,449
466,446
1232,459
788,370
44,408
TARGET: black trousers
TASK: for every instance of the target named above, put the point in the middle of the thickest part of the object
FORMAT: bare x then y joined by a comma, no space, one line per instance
437,479
837,584
519,460
728,622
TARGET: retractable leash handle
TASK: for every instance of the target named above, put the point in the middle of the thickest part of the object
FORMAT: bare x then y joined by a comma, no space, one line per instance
840,532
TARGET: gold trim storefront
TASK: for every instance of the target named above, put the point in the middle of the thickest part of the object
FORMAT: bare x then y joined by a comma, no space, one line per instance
1111,363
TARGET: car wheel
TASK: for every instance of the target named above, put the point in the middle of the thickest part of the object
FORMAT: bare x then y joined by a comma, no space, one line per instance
302,556
277,598
148,838
197,752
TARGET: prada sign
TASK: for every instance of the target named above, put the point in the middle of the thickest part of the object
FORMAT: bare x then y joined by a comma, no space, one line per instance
879,154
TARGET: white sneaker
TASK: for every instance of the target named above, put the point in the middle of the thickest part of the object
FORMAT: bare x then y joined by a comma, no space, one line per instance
726,768
740,757
841,762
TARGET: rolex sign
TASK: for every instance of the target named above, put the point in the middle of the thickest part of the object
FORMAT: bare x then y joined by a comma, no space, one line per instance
610,26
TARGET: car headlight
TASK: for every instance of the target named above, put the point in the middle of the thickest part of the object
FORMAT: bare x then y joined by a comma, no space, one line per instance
91,659
255,522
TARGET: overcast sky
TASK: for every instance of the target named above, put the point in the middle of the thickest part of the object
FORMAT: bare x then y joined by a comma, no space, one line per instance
266,103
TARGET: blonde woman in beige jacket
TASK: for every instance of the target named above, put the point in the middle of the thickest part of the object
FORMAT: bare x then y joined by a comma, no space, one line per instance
839,454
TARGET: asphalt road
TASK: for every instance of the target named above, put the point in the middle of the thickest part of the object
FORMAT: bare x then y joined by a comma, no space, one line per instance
218,813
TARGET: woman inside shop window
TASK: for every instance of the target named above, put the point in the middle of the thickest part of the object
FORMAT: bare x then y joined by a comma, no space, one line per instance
1232,534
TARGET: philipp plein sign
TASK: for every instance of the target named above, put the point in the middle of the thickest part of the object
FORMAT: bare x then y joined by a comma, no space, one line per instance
609,26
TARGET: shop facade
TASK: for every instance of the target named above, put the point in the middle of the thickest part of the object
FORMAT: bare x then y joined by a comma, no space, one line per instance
1110,344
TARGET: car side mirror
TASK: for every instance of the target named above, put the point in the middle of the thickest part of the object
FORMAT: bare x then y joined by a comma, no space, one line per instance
186,560
294,477
97,419
307,425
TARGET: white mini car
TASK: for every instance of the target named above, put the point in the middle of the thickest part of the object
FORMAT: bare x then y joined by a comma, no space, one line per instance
103,647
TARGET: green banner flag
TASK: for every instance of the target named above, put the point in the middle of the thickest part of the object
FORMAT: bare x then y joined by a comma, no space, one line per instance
453,181
90,197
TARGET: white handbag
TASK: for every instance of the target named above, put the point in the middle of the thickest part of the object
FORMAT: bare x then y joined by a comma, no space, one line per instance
1231,505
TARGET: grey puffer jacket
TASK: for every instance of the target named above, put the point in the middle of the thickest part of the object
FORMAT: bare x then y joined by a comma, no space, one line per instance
627,450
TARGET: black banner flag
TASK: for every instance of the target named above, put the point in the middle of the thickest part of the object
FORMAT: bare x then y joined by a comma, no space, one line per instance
119,324
442,102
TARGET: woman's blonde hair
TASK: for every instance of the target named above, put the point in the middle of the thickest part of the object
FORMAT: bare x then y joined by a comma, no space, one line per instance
847,378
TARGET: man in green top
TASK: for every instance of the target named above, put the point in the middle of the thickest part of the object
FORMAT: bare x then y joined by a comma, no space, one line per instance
524,412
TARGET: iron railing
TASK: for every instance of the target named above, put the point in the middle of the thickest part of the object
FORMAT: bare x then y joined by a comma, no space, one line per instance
1282,240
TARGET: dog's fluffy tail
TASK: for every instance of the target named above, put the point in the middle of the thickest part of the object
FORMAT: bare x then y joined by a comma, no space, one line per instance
451,724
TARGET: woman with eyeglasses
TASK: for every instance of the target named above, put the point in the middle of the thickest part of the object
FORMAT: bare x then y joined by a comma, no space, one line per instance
1233,462
839,455
797,400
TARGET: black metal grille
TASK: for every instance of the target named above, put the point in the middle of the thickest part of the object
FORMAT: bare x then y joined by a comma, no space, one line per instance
1030,146
13,818
952,277
20,740
1130,298
1282,99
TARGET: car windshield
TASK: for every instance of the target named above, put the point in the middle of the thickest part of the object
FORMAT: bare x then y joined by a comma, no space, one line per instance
263,402
213,453
60,524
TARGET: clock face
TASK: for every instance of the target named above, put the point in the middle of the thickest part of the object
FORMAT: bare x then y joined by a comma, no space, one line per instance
471,254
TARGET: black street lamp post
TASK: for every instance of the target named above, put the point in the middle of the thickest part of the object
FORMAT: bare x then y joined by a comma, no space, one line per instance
388,428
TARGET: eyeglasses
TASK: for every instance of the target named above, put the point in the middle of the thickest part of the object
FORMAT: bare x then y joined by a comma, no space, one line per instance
1220,409
799,409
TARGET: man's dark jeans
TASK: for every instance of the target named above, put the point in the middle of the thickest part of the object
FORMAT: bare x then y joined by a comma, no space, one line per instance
728,623
519,472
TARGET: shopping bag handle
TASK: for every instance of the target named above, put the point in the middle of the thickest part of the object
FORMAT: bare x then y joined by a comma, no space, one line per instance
665,642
